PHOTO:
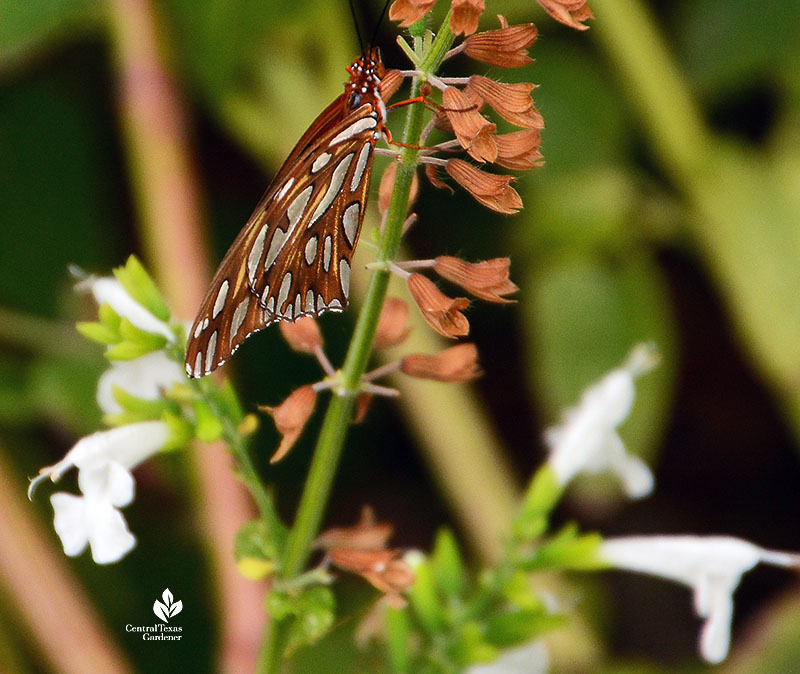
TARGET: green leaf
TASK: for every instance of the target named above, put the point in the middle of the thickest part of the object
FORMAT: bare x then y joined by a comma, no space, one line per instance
181,432
98,332
108,317
510,629
135,342
568,549
518,590
398,632
471,647
424,598
314,617
141,287
540,498
448,569
144,409
208,427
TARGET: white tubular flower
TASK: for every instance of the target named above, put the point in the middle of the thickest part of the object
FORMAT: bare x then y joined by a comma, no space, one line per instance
125,445
108,290
532,658
144,377
712,566
94,518
587,439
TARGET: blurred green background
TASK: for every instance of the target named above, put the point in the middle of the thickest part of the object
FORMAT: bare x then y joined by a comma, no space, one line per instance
668,209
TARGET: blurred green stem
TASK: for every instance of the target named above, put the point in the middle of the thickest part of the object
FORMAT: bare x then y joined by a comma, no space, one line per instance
745,209
340,409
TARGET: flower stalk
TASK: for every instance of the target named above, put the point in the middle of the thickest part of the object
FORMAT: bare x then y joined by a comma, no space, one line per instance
341,407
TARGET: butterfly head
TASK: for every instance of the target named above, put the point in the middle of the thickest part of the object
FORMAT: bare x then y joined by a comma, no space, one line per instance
366,73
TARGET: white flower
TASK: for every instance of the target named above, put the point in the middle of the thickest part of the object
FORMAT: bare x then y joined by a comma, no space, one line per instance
94,518
529,659
108,290
712,566
126,445
144,377
587,439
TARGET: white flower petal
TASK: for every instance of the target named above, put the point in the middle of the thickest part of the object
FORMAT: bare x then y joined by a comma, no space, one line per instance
127,445
70,522
110,291
145,377
110,538
110,482
532,658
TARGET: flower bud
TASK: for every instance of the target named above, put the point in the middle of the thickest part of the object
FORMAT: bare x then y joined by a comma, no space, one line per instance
493,191
291,417
487,280
302,334
441,312
458,363
506,47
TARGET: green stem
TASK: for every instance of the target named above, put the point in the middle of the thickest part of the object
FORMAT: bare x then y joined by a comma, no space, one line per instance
340,409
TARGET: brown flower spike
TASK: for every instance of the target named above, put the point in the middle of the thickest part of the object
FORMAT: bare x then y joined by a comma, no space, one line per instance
409,11
487,280
512,102
571,13
392,324
290,417
441,312
466,14
506,47
303,334
473,130
493,191
456,364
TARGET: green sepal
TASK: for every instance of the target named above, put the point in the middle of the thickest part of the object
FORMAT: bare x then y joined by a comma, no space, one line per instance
181,432
518,591
516,627
540,498
97,332
471,646
424,598
568,549
208,428
181,393
143,409
135,342
398,632
448,569
108,317
141,287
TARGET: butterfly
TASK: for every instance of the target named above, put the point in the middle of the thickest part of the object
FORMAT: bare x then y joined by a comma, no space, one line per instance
293,257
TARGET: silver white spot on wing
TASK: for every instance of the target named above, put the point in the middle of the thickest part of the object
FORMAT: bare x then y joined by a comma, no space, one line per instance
310,301
205,322
271,305
212,351
198,364
361,164
335,304
222,295
344,276
321,303
350,222
255,254
355,128
311,249
198,329
298,305
321,162
326,253
283,293
294,213
334,186
238,318
286,187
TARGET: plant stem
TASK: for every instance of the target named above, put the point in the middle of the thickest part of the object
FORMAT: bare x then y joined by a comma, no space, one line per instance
340,409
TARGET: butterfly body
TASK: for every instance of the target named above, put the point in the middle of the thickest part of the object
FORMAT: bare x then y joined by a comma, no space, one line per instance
293,257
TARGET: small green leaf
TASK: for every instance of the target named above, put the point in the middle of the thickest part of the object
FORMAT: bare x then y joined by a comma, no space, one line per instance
181,432
398,631
471,647
540,498
424,599
517,589
510,629
208,427
108,317
448,569
98,332
135,342
568,550
141,287
143,409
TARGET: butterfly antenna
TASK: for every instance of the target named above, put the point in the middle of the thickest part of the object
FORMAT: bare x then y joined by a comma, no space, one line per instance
355,23
378,25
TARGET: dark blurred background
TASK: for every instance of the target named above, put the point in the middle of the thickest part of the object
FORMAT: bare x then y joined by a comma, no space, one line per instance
667,210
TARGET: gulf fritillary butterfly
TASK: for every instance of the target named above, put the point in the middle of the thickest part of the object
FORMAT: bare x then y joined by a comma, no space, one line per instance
292,258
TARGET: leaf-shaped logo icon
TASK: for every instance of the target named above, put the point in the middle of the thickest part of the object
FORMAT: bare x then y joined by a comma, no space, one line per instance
167,597
175,609
161,611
